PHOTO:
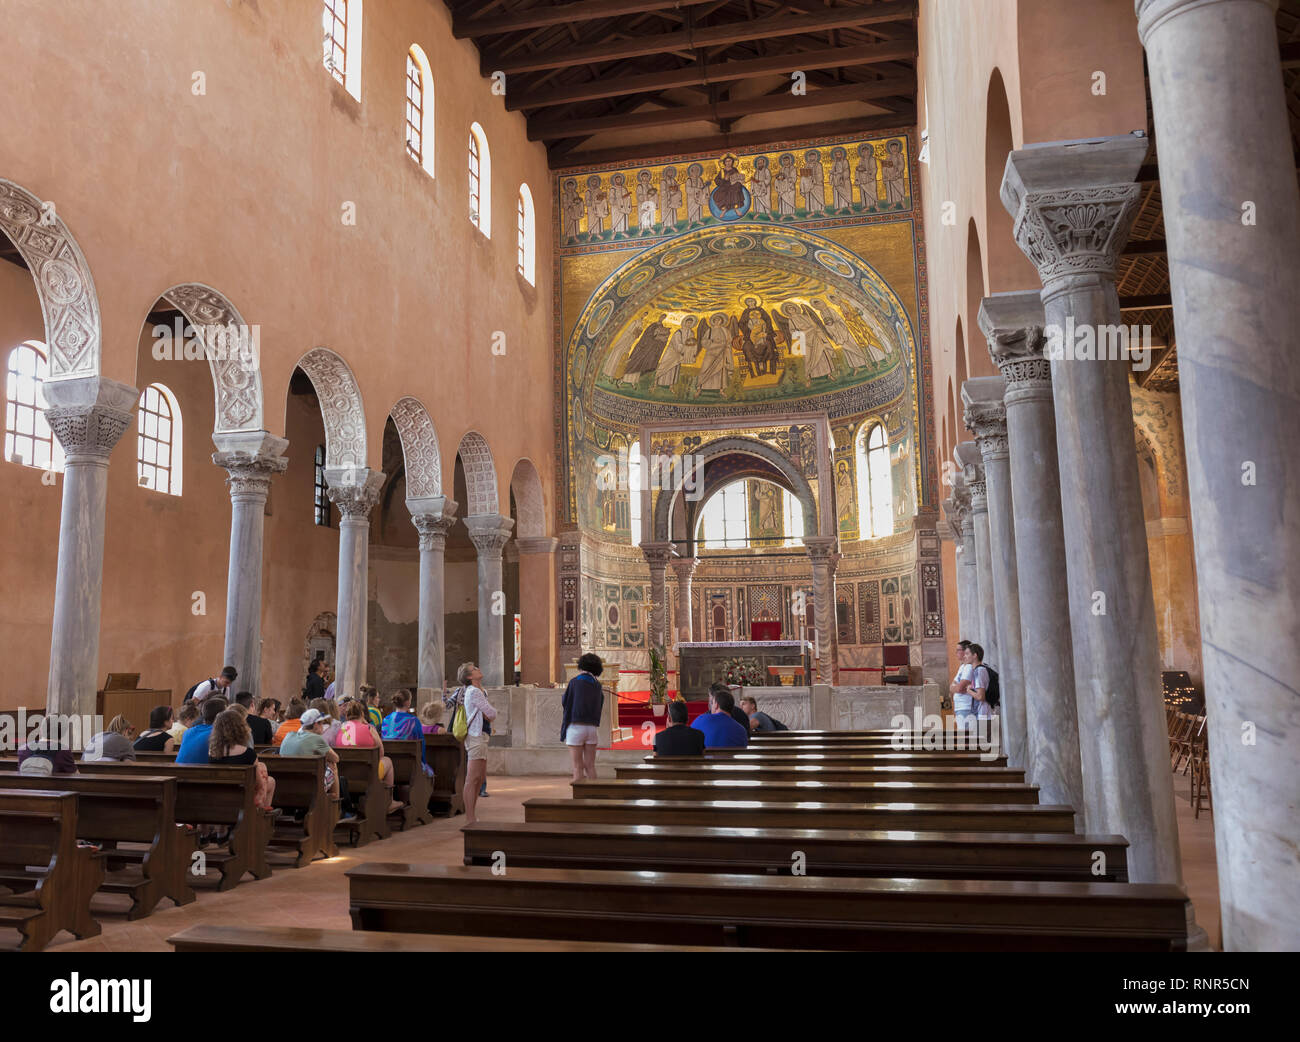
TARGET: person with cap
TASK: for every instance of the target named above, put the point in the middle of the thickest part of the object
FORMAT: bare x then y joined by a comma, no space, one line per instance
217,685
309,740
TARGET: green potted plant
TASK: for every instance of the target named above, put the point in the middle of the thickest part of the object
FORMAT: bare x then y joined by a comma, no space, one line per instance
658,681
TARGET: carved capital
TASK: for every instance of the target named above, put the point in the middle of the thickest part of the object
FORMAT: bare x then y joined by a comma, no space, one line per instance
250,473
684,568
433,529
354,490
89,415
823,550
658,555
1012,323
489,533
986,415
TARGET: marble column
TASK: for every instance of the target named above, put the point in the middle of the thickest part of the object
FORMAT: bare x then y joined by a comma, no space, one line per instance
354,490
88,415
986,418
985,631
823,551
432,517
1074,204
489,534
950,530
1013,324
1225,146
537,607
684,568
964,535
251,458
658,555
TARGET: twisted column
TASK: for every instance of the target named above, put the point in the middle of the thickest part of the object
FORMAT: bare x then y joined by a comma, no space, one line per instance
824,554
657,556
684,568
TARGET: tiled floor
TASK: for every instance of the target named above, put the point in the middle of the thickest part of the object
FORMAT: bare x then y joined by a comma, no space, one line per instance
318,895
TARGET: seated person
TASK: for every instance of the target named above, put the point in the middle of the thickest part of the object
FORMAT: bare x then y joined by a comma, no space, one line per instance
720,729
231,743
757,721
328,707
677,739
355,731
157,738
187,717
735,712
40,757
431,717
402,724
308,741
370,696
259,727
194,746
113,743
292,720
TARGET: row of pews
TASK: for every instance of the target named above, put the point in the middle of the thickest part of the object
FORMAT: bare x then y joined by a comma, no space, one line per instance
133,828
805,840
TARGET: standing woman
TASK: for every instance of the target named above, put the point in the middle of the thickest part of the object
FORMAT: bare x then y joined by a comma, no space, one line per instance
477,710
583,701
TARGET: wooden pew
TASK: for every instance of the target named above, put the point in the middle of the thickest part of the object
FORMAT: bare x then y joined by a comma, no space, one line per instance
205,795
210,937
776,912
841,759
759,814
692,768
361,769
300,791
798,791
39,827
826,852
412,786
446,756
128,810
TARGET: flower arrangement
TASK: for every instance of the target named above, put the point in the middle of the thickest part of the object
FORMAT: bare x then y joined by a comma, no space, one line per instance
658,676
745,672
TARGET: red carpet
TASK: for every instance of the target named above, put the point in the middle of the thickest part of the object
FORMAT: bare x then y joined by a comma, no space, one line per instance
635,715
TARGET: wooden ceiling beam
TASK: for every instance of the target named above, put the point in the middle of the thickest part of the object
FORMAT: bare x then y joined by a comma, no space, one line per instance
707,36
550,130
703,75
722,142
559,14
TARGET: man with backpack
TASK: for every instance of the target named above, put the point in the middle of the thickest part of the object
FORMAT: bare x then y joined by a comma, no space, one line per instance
984,686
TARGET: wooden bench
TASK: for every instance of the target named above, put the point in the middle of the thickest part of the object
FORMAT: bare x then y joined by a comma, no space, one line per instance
826,852
310,814
769,911
446,756
411,785
692,768
205,795
799,791
841,759
38,827
759,814
213,938
370,795
128,810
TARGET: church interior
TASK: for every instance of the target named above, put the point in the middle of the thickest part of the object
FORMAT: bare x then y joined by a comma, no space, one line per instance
830,351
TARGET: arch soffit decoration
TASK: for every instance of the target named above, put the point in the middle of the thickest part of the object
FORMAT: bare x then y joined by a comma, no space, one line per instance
798,487
530,503
420,453
63,282
341,407
236,373
480,474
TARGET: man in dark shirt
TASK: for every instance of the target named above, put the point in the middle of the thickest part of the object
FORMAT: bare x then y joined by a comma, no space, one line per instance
258,725
720,730
677,739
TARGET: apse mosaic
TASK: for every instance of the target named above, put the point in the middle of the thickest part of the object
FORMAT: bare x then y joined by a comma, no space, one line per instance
852,178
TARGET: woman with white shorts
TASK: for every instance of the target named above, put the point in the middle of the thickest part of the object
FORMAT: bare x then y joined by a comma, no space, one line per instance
477,709
584,700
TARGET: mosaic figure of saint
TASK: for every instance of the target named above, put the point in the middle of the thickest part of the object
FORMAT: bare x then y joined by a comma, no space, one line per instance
622,344
769,513
620,204
729,190
812,182
682,347
894,169
787,183
817,348
649,347
841,178
571,209
670,198
843,491
865,175
597,207
696,194
849,308
840,333
760,186
716,362
758,339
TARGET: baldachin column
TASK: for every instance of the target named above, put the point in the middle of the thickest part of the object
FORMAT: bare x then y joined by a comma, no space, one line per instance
537,608
823,551
657,556
684,568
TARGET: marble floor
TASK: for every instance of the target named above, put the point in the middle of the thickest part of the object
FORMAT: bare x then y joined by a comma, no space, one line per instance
317,896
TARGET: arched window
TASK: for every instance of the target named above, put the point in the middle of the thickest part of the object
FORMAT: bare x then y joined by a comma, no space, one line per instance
724,521
634,491
28,439
341,22
526,261
158,441
322,497
875,486
480,181
419,108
